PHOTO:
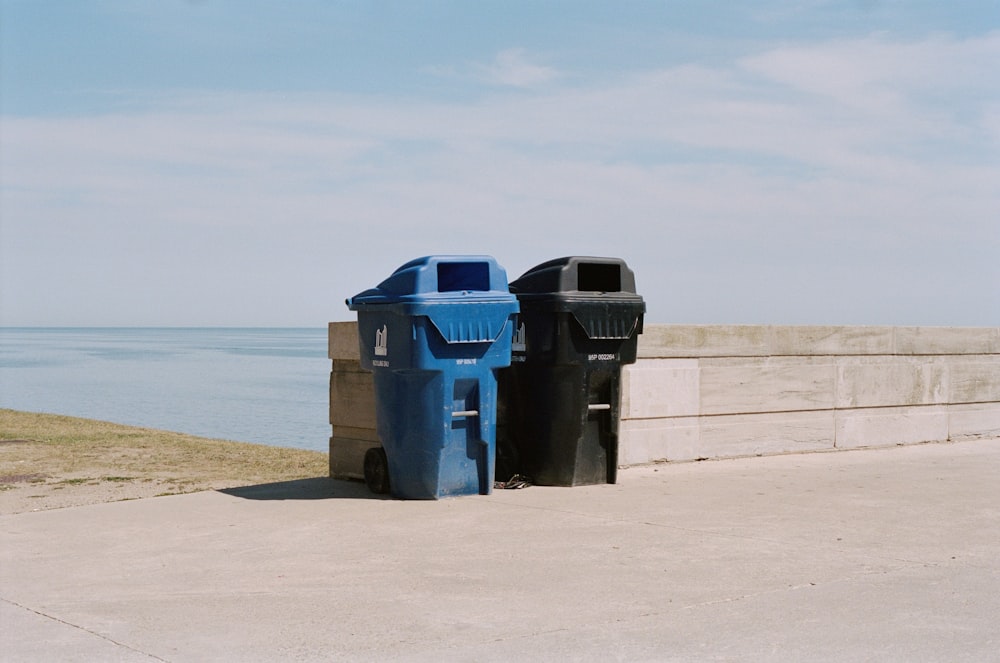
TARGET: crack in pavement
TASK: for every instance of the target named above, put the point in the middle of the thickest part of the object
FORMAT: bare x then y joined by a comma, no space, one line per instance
83,629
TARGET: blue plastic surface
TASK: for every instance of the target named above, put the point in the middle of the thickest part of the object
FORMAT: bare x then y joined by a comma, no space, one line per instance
434,333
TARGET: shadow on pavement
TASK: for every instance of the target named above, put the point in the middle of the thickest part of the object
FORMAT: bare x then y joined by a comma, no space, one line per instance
316,488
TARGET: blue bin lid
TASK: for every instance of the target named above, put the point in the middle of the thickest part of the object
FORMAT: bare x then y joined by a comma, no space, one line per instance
466,297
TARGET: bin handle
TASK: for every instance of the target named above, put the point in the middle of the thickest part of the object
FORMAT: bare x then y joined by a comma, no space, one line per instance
465,413
599,406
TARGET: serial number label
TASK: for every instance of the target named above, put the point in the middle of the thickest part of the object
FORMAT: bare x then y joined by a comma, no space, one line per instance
604,356
465,362
381,363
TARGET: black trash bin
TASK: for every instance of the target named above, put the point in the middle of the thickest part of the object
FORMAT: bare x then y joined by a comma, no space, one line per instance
579,324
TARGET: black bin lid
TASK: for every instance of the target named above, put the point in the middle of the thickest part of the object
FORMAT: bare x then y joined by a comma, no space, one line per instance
586,275
598,292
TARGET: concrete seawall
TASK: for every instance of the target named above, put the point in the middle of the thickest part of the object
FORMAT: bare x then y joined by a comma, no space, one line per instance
721,391
727,391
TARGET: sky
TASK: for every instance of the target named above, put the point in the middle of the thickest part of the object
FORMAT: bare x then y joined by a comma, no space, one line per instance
256,162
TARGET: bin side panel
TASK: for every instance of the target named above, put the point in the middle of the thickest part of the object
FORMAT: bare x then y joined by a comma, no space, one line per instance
385,339
409,423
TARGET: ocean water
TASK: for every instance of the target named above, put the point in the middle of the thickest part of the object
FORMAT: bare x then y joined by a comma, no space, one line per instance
252,385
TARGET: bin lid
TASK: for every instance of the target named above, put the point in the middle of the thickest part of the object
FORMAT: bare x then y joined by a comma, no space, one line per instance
598,292
466,297
586,275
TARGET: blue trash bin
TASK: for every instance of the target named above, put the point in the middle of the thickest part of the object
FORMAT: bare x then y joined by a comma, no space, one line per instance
434,334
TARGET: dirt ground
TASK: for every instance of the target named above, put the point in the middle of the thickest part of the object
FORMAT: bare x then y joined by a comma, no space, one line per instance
34,491
51,461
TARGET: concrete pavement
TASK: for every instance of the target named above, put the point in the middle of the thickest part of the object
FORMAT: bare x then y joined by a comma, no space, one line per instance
880,555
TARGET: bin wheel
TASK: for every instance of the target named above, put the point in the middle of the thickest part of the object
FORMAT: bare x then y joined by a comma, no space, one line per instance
377,471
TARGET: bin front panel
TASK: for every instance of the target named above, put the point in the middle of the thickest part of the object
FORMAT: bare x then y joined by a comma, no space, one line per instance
471,321
602,319
560,338
389,340
561,423
438,430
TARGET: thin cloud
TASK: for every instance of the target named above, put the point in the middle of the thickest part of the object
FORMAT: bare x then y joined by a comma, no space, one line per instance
764,160
748,113
511,68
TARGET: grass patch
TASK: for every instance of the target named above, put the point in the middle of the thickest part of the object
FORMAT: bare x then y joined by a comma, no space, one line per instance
73,451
